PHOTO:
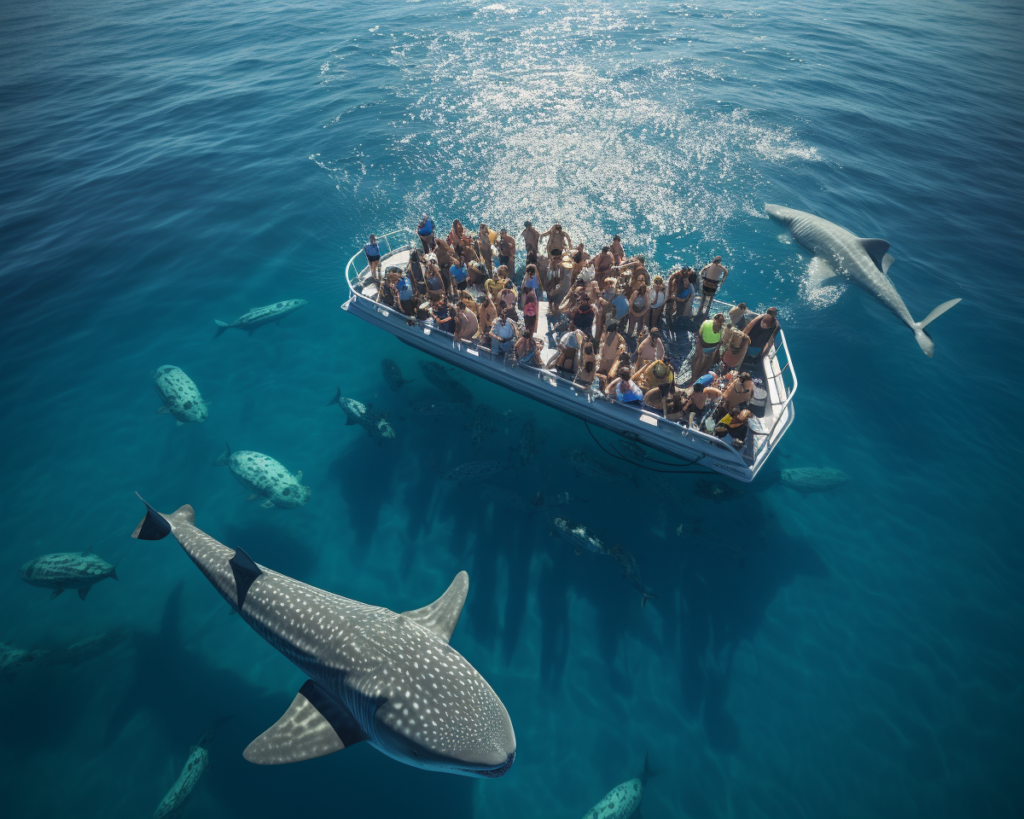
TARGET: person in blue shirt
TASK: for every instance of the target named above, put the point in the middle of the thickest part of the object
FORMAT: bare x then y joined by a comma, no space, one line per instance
372,252
459,274
406,294
426,233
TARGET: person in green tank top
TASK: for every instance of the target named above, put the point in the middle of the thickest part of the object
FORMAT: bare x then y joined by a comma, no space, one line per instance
705,346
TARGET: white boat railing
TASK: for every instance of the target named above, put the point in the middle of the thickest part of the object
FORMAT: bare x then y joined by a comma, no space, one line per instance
783,386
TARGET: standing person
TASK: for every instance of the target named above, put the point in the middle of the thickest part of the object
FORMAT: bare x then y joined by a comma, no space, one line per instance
650,349
736,350
603,264
406,294
445,257
612,344
528,349
712,278
531,281
558,241
466,322
579,260
372,252
617,252
761,331
503,335
531,239
659,296
583,316
457,236
507,251
639,306
416,273
486,250
426,233
737,315
459,274
488,314
705,348
530,309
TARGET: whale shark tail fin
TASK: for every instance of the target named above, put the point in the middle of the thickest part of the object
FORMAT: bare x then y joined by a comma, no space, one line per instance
221,327
923,339
153,526
648,771
222,459
336,399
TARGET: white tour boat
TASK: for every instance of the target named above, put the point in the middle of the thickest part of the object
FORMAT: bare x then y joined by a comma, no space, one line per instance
691,446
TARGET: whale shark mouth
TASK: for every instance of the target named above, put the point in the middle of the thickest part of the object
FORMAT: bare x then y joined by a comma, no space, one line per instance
493,773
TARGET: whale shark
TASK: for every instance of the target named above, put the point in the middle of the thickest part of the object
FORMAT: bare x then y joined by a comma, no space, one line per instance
865,261
389,679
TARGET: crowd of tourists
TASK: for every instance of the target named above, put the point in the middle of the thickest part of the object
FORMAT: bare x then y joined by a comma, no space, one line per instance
605,316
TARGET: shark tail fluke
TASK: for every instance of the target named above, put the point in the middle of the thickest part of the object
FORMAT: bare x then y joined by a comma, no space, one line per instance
222,459
221,327
648,770
336,399
923,339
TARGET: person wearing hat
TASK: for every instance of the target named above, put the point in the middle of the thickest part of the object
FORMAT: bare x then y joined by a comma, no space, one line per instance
659,381
733,428
503,334
712,278
531,239
650,349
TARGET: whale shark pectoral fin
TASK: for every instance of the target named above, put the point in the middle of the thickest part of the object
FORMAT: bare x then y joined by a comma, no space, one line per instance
442,615
877,250
162,410
821,274
267,504
56,593
348,421
84,592
246,571
887,261
314,725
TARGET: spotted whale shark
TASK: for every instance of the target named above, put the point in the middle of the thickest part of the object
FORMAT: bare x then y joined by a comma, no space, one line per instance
865,261
389,679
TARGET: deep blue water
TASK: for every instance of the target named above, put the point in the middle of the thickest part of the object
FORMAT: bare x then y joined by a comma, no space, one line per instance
165,164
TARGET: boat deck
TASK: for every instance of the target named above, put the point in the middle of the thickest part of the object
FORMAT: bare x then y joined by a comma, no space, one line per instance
640,424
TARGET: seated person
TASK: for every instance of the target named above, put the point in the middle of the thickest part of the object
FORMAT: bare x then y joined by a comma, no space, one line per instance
493,286
528,349
737,315
443,316
531,307
739,392
732,428
586,372
569,346
611,345
623,389
655,378
386,292
509,298
672,406
735,349
701,398
503,334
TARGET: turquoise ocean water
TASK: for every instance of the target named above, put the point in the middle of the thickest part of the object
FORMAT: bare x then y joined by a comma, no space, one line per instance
166,164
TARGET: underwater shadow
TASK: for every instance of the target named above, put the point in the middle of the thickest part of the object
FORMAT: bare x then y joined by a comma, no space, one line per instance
726,593
365,475
274,545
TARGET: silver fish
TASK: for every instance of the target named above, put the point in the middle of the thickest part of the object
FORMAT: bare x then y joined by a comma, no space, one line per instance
67,570
258,316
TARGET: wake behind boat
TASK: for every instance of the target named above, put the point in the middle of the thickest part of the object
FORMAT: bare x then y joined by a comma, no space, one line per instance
696,438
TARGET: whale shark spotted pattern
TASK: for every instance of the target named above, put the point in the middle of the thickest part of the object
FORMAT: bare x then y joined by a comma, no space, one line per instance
375,675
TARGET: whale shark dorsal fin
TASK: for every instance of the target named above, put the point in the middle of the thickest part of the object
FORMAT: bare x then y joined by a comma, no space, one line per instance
876,249
245,571
314,725
442,615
